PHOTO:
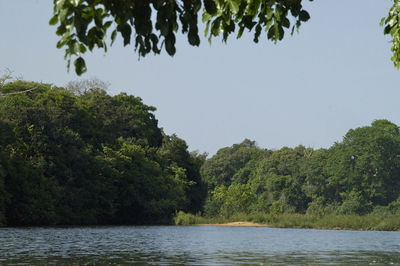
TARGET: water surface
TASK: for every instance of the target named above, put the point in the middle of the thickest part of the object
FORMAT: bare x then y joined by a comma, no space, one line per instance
163,245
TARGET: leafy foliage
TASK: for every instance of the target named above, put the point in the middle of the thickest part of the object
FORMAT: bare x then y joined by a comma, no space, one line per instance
84,25
392,27
356,176
152,25
80,156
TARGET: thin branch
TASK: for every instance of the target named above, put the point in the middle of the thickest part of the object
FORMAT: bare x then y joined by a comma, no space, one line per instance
17,92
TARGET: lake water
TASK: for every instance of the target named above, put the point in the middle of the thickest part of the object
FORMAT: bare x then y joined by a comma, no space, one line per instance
163,245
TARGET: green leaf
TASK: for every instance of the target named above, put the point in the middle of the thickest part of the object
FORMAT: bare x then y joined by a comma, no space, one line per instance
215,27
271,33
281,32
126,32
207,28
257,33
286,23
193,39
60,44
382,21
88,13
170,44
80,66
210,7
113,36
393,21
206,17
58,4
234,5
387,29
76,2
164,29
107,25
63,14
248,22
253,7
76,48
175,26
61,30
82,48
240,33
54,20
304,16
154,40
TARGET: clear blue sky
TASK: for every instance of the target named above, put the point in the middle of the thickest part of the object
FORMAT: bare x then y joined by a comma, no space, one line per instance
309,89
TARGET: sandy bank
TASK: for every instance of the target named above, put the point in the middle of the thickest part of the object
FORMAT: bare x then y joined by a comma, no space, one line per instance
244,224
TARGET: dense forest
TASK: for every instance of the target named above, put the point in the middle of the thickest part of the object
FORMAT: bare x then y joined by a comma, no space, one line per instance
77,156
359,175
80,156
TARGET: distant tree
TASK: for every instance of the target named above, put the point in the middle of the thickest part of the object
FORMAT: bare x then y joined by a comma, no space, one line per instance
366,164
352,177
237,198
224,167
173,155
83,86
7,77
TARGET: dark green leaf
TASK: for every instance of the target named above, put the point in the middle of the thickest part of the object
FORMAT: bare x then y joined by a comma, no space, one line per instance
170,44
271,33
107,25
80,66
126,32
304,16
257,33
210,7
194,39
387,29
216,27
113,36
82,48
53,20
286,22
281,32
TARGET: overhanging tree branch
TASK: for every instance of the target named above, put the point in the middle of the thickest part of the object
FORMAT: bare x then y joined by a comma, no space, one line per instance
152,25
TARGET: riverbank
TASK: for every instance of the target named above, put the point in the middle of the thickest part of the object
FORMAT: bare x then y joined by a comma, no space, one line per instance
237,224
378,222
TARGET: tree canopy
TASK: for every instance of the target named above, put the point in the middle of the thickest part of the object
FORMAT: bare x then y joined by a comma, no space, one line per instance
79,156
359,175
85,157
152,25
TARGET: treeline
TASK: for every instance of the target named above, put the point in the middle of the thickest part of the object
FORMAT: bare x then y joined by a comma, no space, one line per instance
76,156
80,156
359,175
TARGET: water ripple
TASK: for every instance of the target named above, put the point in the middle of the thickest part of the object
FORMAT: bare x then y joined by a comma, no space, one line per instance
191,245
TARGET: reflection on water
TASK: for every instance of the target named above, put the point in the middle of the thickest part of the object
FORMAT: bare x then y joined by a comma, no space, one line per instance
196,245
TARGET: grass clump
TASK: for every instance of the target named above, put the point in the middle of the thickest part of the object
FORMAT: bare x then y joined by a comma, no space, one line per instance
182,218
380,222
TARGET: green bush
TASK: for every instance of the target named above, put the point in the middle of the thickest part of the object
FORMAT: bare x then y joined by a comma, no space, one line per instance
389,222
182,218
394,206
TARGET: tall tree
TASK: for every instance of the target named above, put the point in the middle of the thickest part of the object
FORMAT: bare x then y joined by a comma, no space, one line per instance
367,163
84,157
